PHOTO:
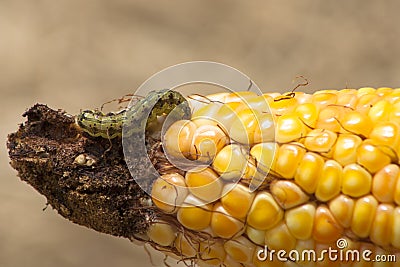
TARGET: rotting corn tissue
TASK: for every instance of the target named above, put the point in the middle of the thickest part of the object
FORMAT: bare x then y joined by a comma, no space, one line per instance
290,172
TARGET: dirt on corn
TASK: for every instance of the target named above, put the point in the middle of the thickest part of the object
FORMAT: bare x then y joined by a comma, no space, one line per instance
86,180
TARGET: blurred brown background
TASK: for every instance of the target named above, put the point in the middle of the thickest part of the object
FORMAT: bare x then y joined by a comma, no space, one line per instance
74,54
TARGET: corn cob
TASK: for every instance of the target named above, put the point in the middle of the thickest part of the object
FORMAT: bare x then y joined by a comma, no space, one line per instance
294,171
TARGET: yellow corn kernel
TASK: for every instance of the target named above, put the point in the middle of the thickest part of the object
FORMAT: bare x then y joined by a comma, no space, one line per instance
237,200
329,117
204,184
381,230
323,98
356,181
288,194
384,91
342,209
395,240
178,139
195,215
255,235
308,114
384,183
393,96
264,213
207,111
282,105
280,238
211,254
326,228
265,155
355,122
386,134
266,130
320,140
380,111
169,191
288,159
208,140
302,97
345,149
397,191
196,102
259,103
225,225
289,128
300,221
161,233
365,90
366,101
258,179
330,181
309,171
240,249
371,156
231,162
395,109
347,98
202,121
251,176
363,215
244,126
227,114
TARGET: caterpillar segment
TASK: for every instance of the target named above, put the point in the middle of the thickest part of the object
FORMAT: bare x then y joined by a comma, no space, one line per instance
140,116
292,172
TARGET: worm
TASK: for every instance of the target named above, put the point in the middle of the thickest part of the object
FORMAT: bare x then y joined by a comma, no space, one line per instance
144,112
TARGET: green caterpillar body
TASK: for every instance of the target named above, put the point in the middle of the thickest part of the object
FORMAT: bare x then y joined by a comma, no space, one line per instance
142,113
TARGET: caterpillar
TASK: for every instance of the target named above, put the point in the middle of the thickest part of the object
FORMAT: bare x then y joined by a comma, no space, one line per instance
144,112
